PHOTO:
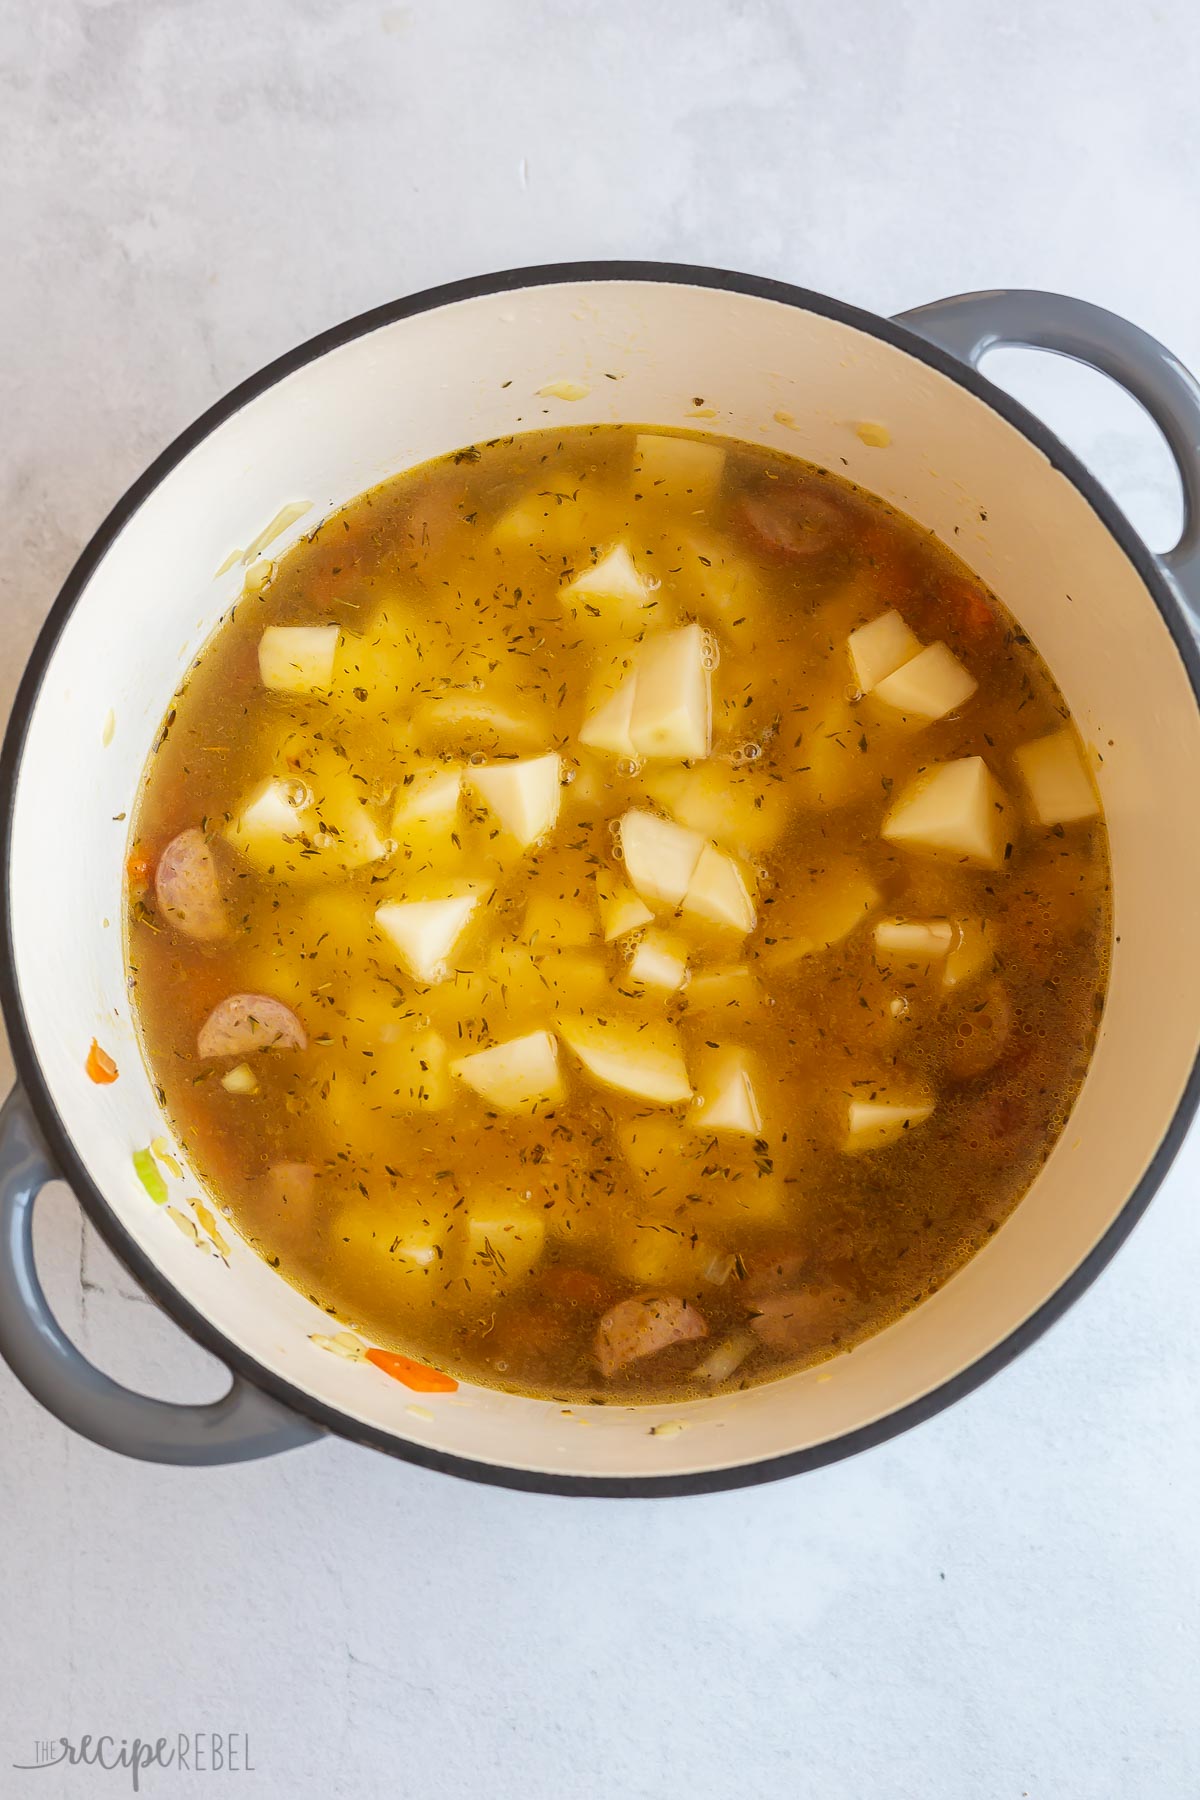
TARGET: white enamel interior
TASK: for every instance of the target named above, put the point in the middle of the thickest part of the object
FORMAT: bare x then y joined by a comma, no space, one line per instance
472,370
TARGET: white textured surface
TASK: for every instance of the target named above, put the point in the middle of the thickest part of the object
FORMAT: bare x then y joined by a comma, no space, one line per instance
1002,1603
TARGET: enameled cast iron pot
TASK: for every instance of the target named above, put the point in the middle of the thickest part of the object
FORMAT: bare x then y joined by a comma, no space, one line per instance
425,376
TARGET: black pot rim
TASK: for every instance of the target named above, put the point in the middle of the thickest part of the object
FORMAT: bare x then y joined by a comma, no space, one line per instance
58,1140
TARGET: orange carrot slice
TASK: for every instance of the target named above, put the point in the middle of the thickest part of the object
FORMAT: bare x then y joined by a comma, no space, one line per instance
413,1374
100,1066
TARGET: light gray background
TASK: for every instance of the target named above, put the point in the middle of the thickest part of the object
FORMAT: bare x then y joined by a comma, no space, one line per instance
1003,1603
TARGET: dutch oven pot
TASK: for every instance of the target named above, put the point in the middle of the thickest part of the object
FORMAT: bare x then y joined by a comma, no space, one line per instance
777,366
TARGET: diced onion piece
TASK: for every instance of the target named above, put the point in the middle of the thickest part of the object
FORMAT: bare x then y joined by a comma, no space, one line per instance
671,713
933,684
621,910
240,1080
974,952
725,1360
518,1076
920,940
683,468
718,892
425,932
614,582
955,809
877,650
880,1119
607,726
660,856
725,1096
1056,779
660,961
635,1057
504,1240
523,796
298,659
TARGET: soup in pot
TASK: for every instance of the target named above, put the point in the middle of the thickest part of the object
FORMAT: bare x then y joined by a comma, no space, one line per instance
617,914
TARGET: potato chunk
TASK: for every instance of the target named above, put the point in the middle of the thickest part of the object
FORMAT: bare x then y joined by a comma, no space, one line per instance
741,809
879,1119
425,932
631,1055
412,1073
718,892
730,989
523,796
660,856
974,952
298,659
684,468
818,913
725,1093
955,809
660,961
607,725
877,650
612,591
1056,779
521,1075
671,714
430,798
504,1240
933,684
274,828
621,910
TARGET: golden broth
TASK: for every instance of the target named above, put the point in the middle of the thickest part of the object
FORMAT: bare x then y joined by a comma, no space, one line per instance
775,1070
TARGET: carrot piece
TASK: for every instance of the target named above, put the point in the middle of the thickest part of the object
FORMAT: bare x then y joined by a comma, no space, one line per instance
100,1066
970,611
414,1375
137,868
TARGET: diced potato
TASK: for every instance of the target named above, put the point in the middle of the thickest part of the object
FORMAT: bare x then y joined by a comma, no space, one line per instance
684,468
574,980
877,650
411,1073
403,1247
741,808
933,684
660,961
972,955
461,722
607,725
430,798
661,1254
1056,779
660,856
425,932
557,922
682,1176
621,910
671,714
521,1075
815,916
612,591
720,588
837,761
718,892
643,1058
523,796
730,990
914,940
878,1119
275,826
725,1093
955,809
298,659
348,833
504,1240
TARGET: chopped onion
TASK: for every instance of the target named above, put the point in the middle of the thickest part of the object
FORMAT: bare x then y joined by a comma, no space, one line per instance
728,1357
720,1269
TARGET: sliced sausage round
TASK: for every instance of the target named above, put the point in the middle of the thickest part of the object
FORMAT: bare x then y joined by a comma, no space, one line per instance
793,520
802,1319
248,1022
187,888
640,1326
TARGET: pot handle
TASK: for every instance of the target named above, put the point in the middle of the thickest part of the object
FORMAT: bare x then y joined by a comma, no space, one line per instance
243,1424
968,325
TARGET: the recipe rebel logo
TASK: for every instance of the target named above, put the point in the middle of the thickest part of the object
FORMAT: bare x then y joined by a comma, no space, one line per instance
188,1752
